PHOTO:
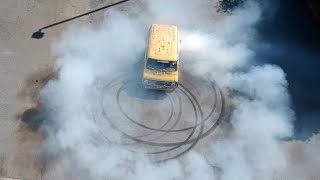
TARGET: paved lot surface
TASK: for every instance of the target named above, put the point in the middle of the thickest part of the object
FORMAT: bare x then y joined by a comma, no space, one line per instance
26,63
168,124
23,61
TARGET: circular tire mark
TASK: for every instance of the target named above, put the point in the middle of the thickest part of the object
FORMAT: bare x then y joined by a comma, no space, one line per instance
203,124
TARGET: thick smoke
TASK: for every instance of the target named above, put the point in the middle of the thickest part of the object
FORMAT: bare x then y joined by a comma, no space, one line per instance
262,113
213,45
260,118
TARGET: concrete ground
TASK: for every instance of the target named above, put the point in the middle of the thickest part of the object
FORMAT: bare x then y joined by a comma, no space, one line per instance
25,65
23,62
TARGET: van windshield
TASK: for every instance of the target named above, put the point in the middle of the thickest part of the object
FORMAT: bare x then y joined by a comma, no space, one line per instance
164,66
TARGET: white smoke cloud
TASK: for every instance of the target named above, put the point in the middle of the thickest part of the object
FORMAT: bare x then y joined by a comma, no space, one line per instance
197,166
220,49
262,116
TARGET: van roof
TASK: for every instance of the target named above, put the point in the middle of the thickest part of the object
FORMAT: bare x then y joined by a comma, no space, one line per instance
163,42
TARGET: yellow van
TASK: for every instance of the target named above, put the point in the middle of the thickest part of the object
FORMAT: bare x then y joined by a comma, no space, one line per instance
161,65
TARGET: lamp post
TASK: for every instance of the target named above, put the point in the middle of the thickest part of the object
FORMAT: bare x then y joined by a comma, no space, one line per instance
39,34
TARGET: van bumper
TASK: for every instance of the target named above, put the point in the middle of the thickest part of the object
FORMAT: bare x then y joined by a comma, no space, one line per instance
159,85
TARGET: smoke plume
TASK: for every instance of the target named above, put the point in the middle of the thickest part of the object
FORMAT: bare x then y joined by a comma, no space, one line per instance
215,46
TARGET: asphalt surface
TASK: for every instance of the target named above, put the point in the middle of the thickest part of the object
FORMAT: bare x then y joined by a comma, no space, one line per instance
23,62
169,125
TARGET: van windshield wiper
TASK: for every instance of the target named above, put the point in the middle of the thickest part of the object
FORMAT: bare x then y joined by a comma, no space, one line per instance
149,67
